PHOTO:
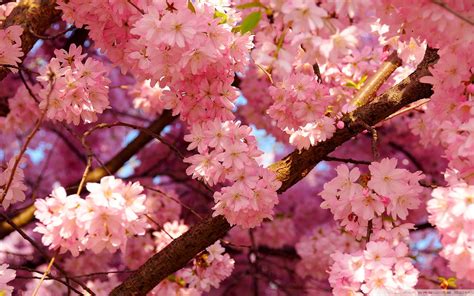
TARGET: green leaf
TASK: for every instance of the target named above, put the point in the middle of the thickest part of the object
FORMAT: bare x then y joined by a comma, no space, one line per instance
250,22
351,83
221,15
191,6
250,5
452,282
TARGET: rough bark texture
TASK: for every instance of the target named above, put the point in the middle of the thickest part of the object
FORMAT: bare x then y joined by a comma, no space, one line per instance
174,256
297,165
27,215
36,16
289,170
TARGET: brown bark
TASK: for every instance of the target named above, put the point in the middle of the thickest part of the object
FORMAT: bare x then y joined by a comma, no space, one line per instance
289,171
36,16
33,16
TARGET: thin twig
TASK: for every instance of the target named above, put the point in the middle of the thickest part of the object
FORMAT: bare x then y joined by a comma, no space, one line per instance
406,109
86,172
52,36
42,252
346,160
134,5
175,200
442,4
46,272
161,228
369,230
27,86
25,145
410,156
49,277
142,129
373,131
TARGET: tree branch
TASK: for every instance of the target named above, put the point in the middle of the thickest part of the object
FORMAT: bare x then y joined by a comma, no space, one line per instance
289,170
33,16
27,215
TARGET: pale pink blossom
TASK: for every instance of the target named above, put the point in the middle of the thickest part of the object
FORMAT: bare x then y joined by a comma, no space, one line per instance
17,188
6,275
10,47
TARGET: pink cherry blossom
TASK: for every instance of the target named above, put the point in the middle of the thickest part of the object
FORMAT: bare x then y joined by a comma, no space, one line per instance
10,47
6,275
17,188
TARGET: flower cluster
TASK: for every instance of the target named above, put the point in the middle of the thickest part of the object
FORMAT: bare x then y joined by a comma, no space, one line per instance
148,98
354,199
112,211
209,269
74,90
452,211
447,120
5,10
162,204
435,24
307,124
10,46
6,275
16,189
170,231
380,269
184,47
227,153
194,54
23,112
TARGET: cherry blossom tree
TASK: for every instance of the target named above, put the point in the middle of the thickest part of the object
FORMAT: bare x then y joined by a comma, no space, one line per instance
244,147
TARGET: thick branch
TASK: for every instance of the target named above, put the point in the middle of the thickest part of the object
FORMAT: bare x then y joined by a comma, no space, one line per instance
33,16
297,165
289,170
27,215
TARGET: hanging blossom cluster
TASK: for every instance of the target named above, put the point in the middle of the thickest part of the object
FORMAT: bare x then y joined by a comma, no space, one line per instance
74,90
356,199
227,154
110,213
179,45
108,23
452,211
17,188
447,120
23,112
5,10
209,268
192,52
434,24
10,47
6,275
307,124
148,98
317,57
380,269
